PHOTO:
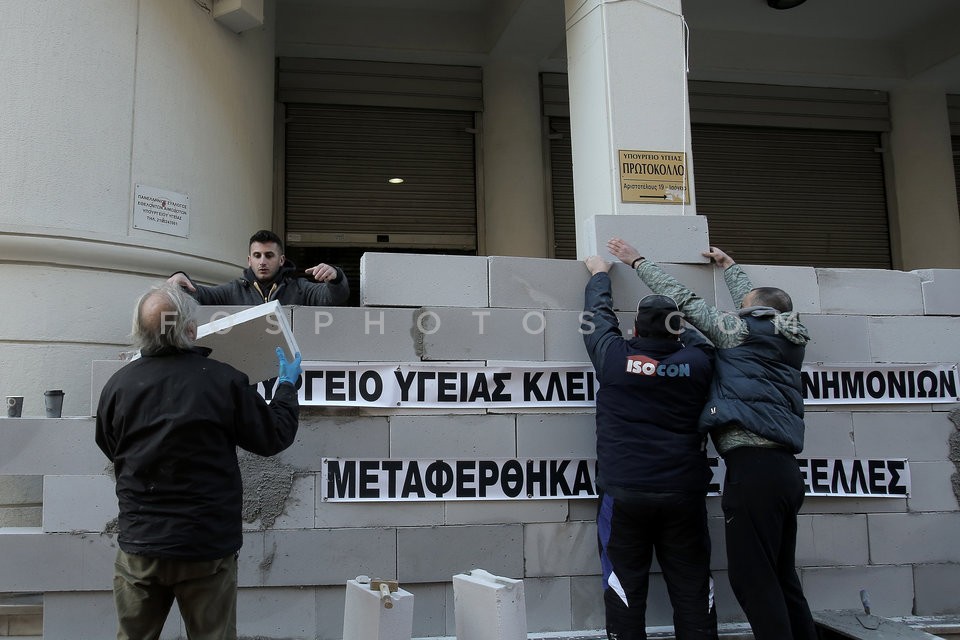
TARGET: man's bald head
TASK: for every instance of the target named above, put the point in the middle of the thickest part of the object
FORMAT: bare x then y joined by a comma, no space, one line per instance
165,317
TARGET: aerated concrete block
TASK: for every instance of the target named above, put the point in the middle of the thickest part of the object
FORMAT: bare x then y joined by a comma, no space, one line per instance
584,509
414,280
504,511
890,588
919,340
78,503
21,490
832,539
323,557
586,602
21,517
331,515
917,435
489,607
661,238
557,435
870,292
800,283
433,554
941,291
369,614
430,619
277,613
560,549
355,334
548,604
322,436
628,288
914,538
92,614
935,589
932,487
537,283
49,446
71,562
836,339
564,334
330,602
462,436
847,505
472,334
828,434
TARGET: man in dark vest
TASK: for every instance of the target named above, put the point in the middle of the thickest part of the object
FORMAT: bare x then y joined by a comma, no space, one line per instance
755,417
652,471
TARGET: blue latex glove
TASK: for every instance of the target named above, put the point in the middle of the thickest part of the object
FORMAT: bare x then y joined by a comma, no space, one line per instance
289,371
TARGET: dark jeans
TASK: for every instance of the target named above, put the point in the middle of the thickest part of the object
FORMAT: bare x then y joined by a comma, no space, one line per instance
762,493
206,592
675,525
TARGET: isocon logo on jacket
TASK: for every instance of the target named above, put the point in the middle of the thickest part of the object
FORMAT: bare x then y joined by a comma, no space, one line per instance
644,366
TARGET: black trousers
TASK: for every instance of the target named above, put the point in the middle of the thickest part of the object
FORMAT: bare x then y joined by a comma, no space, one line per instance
762,494
675,525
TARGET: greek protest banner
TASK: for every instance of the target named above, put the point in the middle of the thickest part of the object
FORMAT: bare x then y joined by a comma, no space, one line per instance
876,384
431,479
446,386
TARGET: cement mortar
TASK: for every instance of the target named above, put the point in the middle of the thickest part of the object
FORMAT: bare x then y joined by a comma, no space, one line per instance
266,487
954,454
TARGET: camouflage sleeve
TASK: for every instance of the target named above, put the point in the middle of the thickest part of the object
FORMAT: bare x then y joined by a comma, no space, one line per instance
724,329
738,283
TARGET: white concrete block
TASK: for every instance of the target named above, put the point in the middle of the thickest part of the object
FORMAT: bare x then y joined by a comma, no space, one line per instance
919,340
837,339
825,540
800,283
21,490
354,334
78,503
932,487
238,15
628,288
560,549
330,602
826,504
914,538
248,340
489,607
935,589
548,604
462,436
586,602
430,614
890,588
870,292
916,435
332,515
557,435
344,436
584,509
92,614
415,280
277,613
537,283
343,552
563,335
661,238
504,512
50,446
71,562
471,334
433,554
828,434
370,614
941,291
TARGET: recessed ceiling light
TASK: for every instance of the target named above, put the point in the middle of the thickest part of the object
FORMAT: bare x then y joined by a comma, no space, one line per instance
395,180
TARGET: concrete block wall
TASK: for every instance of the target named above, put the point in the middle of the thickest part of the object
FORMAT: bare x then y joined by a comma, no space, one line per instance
299,552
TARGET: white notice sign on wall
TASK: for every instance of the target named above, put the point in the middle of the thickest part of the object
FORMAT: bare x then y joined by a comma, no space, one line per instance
161,211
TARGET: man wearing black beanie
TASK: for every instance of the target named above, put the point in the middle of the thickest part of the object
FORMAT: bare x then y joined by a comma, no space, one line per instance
652,471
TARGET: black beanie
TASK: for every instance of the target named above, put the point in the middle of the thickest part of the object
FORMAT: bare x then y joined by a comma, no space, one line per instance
657,317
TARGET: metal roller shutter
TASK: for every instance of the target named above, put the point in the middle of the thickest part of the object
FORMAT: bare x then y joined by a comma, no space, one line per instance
339,159
953,109
561,189
793,196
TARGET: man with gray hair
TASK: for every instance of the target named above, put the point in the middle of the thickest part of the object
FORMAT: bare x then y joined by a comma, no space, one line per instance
171,422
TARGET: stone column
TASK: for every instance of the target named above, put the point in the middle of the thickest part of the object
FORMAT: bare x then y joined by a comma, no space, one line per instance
925,229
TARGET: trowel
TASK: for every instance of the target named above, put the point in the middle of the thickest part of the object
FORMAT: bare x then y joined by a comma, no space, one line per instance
866,619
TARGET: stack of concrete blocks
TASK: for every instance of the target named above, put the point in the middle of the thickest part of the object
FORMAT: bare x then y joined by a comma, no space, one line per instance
299,550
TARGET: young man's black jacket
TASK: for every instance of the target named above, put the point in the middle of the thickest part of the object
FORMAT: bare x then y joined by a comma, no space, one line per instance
651,393
285,288
171,422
